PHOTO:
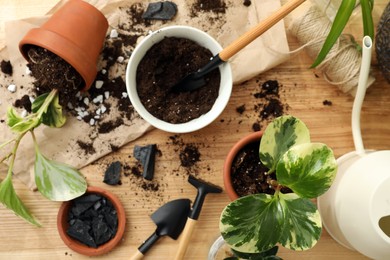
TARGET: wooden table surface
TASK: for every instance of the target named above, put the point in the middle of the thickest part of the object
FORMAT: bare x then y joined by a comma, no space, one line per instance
303,90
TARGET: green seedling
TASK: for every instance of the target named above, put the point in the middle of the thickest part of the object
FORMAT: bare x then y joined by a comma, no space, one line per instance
256,223
55,181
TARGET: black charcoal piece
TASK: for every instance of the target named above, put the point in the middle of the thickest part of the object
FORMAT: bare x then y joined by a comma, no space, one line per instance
83,203
160,11
101,231
146,155
97,224
80,231
113,173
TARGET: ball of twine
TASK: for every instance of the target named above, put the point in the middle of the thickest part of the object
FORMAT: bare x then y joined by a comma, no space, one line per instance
341,66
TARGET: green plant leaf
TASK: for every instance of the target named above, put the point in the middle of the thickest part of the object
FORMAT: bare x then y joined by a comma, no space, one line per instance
343,14
252,224
303,224
19,124
308,169
57,181
52,114
11,200
281,134
368,24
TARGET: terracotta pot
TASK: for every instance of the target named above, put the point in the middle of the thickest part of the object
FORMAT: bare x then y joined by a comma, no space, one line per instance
62,226
227,167
75,33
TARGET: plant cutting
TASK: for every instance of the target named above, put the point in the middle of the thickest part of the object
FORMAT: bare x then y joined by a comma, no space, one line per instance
54,180
343,14
257,222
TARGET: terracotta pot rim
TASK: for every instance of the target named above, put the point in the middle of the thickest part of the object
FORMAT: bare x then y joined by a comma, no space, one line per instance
78,246
227,180
64,40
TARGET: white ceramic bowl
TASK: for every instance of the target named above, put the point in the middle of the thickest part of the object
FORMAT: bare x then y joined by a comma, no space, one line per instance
203,39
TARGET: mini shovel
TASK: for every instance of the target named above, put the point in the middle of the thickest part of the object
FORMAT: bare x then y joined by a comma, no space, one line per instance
196,79
203,189
170,220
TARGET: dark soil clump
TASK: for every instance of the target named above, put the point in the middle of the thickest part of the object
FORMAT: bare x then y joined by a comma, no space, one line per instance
52,72
216,6
6,67
249,173
86,147
24,102
165,64
189,155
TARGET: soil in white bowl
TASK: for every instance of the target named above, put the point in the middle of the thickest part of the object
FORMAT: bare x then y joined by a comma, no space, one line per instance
164,65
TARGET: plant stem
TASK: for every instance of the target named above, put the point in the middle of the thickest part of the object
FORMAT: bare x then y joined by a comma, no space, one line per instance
13,153
47,102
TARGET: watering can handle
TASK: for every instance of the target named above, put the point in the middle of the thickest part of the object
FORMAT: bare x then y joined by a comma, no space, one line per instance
360,93
259,29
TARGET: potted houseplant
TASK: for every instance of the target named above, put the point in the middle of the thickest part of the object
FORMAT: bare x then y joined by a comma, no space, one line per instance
98,219
75,34
343,14
256,223
152,40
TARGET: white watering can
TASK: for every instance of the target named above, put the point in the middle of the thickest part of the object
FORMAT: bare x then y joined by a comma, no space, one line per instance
356,209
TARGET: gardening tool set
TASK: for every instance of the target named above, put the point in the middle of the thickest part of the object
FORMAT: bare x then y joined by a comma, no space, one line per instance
175,216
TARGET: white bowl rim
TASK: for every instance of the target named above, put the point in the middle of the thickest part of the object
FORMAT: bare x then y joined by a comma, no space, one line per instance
224,91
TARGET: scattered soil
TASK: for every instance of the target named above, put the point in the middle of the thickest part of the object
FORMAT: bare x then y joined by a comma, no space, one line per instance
6,67
247,2
215,6
189,156
249,173
86,147
24,102
165,64
327,102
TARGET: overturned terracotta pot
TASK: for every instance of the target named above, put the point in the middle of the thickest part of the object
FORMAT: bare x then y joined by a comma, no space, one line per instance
75,33
75,245
227,167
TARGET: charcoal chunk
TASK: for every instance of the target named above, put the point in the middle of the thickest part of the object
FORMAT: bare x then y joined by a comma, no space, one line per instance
146,155
83,203
101,232
160,11
92,219
113,174
80,231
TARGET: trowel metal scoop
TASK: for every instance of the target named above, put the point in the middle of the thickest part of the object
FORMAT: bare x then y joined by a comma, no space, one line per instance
196,79
170,220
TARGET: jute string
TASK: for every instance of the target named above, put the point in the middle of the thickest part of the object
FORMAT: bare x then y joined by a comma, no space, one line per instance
342,65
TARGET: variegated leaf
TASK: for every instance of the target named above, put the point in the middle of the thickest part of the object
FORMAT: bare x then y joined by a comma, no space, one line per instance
253,223
281,134
57,181
11,200
308,169
303,224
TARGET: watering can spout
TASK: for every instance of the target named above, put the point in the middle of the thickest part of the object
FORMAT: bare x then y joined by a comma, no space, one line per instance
360,93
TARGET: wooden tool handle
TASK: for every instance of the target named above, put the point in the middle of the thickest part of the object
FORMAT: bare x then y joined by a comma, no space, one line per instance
137,256
258,30
185,238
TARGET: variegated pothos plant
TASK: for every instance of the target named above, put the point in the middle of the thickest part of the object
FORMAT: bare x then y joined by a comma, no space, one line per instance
256,223
56,181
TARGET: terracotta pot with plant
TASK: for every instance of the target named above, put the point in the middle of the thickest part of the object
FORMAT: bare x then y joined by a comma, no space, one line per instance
92,224
256,223
73,36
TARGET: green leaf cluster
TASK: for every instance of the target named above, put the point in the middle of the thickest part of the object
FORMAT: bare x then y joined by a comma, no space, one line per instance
342,16
256,223
56,181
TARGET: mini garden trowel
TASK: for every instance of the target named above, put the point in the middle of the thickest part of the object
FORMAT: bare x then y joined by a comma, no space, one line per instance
170,220
196,79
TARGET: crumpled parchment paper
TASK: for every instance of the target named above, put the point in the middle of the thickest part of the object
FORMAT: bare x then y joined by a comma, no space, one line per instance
61,144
